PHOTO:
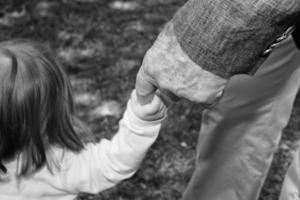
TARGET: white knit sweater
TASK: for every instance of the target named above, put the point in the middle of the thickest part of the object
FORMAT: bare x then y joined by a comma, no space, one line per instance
98,167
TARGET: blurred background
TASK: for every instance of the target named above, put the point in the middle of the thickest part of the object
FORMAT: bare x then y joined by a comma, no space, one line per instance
101,44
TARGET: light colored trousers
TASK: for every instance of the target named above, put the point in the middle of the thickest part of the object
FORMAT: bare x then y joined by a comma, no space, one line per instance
239,136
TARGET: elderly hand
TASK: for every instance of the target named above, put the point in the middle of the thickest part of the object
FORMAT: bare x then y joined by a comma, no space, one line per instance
168,68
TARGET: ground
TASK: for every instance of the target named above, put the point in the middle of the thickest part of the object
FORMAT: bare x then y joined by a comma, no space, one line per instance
101,44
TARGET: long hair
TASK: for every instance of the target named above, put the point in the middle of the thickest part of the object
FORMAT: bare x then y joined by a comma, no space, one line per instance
36,105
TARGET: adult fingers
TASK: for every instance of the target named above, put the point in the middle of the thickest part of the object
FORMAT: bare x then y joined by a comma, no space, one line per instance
167,97
145,88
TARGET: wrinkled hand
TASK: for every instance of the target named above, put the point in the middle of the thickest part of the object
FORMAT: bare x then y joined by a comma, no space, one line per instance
168,68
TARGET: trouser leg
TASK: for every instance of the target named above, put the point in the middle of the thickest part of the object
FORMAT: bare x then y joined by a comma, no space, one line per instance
291,185
239,136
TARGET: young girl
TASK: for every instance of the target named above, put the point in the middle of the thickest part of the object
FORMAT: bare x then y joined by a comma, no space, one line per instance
42,155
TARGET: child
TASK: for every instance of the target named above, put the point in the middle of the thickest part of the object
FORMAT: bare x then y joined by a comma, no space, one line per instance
41,153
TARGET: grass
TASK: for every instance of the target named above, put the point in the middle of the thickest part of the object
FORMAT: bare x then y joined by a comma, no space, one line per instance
101,44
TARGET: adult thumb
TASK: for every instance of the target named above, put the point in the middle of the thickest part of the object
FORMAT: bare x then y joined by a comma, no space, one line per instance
145,88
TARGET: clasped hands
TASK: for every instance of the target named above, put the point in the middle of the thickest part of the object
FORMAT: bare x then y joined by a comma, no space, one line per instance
175,76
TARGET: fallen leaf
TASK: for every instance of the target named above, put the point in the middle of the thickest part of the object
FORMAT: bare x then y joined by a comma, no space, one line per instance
107,108
85,98
46,9
14,17
124,5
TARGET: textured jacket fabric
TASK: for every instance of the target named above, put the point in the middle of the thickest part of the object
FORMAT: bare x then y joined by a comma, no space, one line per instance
228,37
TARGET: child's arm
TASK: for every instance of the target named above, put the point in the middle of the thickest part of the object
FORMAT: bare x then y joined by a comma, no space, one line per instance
105,164
138,130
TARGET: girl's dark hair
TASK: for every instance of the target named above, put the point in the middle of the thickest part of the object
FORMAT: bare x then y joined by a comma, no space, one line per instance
36,105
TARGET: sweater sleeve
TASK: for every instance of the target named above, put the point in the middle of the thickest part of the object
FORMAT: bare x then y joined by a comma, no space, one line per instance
104,164
228,37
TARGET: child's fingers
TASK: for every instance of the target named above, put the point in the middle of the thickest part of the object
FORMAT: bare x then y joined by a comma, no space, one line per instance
154,106
155,109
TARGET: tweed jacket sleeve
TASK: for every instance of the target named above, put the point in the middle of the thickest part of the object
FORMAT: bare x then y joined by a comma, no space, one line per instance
208,41
228,37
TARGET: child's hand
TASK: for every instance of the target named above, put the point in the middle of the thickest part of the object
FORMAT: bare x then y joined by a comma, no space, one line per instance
152,111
